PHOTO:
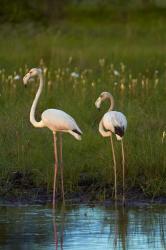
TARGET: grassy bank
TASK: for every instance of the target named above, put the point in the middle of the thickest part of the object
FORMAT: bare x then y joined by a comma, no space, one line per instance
126,58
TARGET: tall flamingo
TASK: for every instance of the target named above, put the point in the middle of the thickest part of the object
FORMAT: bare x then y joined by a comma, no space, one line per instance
54,119
116,123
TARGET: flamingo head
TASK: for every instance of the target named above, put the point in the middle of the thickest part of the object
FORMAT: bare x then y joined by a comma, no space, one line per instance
104,95
31,74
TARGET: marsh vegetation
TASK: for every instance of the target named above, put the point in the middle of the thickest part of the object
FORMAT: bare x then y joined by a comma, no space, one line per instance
80,57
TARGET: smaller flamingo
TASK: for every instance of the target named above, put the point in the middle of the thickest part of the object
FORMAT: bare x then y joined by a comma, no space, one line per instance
113,122
54,119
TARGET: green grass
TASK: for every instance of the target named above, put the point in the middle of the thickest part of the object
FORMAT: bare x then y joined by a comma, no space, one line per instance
136,48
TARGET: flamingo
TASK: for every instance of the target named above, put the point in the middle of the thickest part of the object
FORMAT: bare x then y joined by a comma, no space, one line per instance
54,119
113,122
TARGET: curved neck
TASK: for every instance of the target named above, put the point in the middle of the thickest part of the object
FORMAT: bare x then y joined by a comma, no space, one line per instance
34,104
111,102
102,131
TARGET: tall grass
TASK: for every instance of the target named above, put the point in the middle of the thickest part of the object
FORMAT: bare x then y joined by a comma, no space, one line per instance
127,60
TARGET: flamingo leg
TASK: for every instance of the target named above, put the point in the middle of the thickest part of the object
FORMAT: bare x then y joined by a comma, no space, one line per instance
61,167
115,175
123,169
55,167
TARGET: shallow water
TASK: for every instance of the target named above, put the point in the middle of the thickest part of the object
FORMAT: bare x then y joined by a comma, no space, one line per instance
82,227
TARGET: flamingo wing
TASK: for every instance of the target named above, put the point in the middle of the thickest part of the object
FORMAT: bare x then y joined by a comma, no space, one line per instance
58,120
116,122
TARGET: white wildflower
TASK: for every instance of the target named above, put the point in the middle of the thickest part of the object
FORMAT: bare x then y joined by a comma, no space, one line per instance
116,73
163,136
122,86
93,84
17,77
45,70
74,74
156,82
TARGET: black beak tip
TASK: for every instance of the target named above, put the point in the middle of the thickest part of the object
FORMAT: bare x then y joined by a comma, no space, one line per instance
25,85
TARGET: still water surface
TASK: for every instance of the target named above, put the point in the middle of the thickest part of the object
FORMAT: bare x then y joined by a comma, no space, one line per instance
82,227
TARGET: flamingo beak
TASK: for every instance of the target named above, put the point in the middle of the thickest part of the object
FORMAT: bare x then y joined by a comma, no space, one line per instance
98,103
26,78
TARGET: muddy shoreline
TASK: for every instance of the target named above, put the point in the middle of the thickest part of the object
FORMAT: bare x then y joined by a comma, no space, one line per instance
20,189
39,196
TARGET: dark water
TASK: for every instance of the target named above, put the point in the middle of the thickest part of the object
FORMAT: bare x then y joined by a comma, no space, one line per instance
81,227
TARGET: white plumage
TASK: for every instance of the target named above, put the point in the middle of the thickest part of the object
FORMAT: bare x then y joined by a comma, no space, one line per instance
54,119
58,120
115,122
112,121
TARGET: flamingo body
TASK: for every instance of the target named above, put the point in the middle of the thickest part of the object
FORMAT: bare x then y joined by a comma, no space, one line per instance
58,120
115,122
54,119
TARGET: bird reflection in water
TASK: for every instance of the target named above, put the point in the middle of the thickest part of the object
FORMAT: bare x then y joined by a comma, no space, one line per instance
118,227
55,228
